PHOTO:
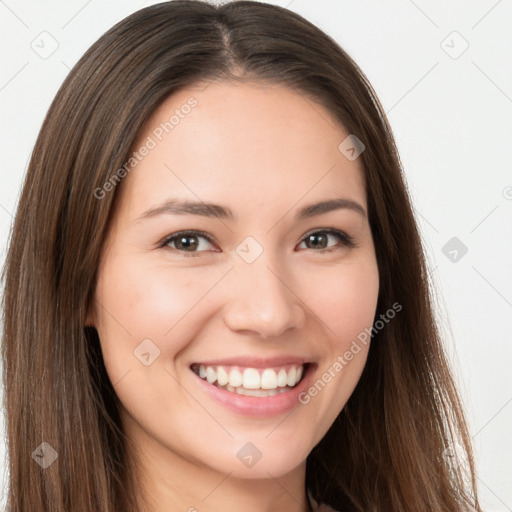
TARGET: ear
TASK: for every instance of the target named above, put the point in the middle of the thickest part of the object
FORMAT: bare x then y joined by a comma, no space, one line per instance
90,319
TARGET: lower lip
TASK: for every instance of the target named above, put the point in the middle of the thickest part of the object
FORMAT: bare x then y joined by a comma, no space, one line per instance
258,406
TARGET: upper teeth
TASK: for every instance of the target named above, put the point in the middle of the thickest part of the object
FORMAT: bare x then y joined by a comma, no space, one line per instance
252,378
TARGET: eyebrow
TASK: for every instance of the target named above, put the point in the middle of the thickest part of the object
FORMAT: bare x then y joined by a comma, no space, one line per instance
186,207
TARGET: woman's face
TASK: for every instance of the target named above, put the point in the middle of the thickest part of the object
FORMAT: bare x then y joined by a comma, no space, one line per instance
261,294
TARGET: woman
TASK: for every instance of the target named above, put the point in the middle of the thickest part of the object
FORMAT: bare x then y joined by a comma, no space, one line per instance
176,334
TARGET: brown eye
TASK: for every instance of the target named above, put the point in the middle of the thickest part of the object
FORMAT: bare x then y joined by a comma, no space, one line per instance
187,242
320,239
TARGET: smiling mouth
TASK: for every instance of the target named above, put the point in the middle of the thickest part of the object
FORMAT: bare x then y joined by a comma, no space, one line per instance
258,382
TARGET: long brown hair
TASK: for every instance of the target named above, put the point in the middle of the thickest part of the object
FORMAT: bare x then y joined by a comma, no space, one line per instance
386,451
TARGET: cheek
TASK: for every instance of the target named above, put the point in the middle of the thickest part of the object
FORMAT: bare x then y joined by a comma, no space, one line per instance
346,304
345,299
139,300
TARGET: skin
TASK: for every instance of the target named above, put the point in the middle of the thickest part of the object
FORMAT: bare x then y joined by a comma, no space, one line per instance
263,151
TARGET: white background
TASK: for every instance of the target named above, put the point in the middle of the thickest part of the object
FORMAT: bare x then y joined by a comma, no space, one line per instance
452,118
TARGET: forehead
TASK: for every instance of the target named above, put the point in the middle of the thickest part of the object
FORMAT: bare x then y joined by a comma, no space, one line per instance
244,144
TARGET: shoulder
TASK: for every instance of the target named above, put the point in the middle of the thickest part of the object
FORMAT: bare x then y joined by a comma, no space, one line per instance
319,507
322,507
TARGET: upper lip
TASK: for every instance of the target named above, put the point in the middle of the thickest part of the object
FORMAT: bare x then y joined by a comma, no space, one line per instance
256,362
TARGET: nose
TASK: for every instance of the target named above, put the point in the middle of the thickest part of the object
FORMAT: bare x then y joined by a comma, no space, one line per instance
263,301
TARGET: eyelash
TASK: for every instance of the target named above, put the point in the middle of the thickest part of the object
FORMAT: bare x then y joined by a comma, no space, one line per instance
346,240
